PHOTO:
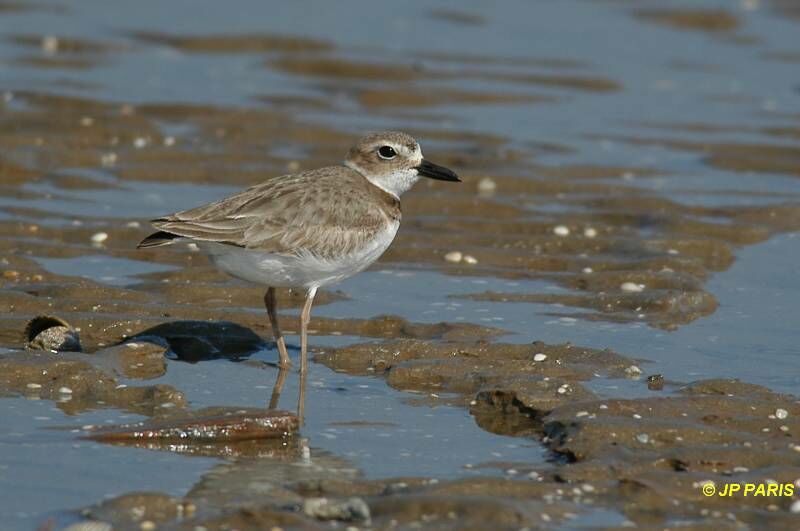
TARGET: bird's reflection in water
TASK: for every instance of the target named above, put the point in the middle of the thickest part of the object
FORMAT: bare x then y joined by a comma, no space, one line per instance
197,341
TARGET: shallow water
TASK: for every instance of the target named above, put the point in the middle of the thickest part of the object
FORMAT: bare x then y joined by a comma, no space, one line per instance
102,269
585,114
125,200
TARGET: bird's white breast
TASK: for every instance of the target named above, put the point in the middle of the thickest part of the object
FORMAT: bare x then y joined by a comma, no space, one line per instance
301,270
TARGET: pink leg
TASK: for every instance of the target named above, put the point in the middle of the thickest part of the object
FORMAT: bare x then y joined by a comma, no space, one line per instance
305,317
272,311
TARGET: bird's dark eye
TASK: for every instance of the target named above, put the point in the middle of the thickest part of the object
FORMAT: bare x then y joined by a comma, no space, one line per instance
387,152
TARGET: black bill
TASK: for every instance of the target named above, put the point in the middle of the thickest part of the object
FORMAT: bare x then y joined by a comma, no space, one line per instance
434,171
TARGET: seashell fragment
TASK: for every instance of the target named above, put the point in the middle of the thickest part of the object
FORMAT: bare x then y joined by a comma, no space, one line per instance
53,334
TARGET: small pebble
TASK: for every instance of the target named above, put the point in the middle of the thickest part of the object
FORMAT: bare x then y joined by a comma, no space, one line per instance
587,270
632,287
147,525
189,509
65,390
781,413
750,5
590,232
353,509
469,259
564,389
454,256
633,371
108,159
34,386
487,186
539,356
580,414
140,142
561,230
99,237
795,507
50,44
643,438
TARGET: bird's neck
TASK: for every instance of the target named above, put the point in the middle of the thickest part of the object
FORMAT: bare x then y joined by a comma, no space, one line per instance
395,183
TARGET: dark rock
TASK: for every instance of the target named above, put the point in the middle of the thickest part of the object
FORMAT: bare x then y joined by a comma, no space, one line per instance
655,382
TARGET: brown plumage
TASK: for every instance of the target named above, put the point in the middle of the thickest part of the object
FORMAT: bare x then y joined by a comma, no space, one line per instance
327,212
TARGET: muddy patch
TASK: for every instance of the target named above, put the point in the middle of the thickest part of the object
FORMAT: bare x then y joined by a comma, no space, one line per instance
231,44
77,385
663,451
543,374
704,20
645,461
324,493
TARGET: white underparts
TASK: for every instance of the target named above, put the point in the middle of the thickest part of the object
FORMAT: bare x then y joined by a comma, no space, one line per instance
303,269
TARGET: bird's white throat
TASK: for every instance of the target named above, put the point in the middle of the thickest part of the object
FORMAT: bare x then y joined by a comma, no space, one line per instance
395,183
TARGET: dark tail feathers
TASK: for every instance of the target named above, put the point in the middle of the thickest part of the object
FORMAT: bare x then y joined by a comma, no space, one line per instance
157,238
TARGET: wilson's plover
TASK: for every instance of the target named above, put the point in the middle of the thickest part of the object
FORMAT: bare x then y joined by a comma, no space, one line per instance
310,229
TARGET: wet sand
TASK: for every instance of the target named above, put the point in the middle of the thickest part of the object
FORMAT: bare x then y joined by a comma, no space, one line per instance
591,327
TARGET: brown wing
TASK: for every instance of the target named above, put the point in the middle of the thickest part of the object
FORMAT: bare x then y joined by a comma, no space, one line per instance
324,212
